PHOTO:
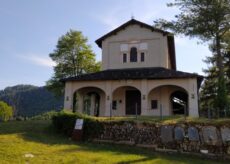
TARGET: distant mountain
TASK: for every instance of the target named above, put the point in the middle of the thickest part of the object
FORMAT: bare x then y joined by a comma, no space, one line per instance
29,100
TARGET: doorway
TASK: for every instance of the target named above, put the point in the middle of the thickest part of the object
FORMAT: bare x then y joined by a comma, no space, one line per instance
133,102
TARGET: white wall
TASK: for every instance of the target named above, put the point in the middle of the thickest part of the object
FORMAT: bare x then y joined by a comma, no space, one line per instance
145,86
156,54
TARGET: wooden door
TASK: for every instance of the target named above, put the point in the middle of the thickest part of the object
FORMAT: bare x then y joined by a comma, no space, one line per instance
133,99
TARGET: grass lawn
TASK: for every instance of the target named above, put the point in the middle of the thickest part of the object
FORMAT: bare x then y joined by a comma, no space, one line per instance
38,138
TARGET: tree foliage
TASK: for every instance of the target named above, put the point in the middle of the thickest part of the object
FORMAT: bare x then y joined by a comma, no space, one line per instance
208,20
210,98
73,57
30,100
6,111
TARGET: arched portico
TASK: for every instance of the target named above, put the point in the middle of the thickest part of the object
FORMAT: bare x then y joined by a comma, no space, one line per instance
126,101
179,102
111,97
167,100
89,100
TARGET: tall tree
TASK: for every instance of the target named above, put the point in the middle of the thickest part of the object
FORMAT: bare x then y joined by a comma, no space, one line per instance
6,111
73,56
209,20
227,59
209,98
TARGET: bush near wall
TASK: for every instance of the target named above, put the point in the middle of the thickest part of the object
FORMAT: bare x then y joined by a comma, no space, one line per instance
213,136
64,122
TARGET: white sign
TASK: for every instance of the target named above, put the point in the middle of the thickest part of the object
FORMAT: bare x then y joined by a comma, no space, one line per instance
79,124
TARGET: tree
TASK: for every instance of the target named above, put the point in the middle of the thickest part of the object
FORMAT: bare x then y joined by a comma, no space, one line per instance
209,98
73,57
6,112
227,59
208,20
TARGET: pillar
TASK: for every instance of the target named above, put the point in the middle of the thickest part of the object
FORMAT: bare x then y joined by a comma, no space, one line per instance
144,97
193,98
68,99
92,104
80,103
108,98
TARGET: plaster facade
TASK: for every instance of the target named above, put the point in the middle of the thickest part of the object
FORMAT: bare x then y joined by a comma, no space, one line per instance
116,54
114,90
153,44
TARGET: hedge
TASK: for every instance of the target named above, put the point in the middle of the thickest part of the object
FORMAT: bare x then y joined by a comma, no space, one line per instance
64,123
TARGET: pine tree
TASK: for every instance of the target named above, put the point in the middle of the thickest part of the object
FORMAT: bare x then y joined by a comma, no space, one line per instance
209,90
209,21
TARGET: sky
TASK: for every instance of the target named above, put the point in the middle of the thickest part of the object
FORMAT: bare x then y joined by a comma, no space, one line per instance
29,31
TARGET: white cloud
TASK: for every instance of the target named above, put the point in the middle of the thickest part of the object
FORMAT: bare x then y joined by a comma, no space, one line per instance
39,60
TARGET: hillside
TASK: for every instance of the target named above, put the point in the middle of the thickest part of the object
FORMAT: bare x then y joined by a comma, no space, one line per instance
28,100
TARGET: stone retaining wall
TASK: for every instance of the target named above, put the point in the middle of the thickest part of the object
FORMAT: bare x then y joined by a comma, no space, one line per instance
180,137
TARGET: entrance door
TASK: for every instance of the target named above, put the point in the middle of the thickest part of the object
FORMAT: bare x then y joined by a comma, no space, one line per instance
133,100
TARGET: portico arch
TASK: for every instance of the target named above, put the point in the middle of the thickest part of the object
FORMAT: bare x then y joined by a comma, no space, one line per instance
89,100
126,101
168,100
179,102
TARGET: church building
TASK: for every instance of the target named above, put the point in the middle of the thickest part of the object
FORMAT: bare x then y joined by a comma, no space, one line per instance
138,77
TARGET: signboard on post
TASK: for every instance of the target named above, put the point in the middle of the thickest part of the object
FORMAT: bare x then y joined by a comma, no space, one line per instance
77,132
79,124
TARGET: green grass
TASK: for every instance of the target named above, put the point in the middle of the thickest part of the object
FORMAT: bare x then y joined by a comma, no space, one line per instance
38,138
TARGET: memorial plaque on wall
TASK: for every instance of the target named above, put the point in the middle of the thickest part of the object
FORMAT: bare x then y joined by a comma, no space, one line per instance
225,134
193,134
209,134
179,133
166,134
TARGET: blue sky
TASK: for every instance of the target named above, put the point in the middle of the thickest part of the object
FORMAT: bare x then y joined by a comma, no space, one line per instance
30,30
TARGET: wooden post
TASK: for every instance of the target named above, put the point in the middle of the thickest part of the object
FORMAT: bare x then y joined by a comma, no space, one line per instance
136,110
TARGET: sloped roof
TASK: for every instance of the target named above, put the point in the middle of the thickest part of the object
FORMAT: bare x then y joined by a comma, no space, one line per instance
170,38
123,26
134,74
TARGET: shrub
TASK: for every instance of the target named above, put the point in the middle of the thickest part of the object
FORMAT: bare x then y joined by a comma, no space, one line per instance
6,111
64,122
19,118
44,116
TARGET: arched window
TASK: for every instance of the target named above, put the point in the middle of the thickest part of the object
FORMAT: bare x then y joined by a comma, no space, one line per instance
133,54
